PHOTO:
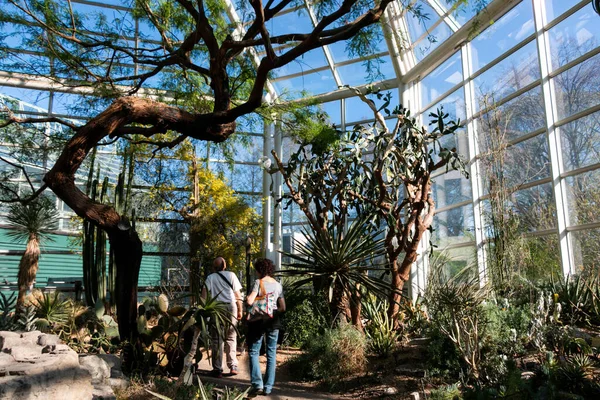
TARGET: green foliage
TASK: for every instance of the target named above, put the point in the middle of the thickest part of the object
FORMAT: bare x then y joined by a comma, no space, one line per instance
165,334
337,262
200,391
450,392
34,218
305,317
382,337
579,297
7,307
51,309
27,320
336,354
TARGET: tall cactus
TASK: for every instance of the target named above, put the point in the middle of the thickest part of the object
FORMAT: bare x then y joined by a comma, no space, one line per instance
97,280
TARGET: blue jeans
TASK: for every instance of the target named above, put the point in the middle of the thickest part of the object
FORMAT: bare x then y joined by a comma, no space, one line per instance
254,350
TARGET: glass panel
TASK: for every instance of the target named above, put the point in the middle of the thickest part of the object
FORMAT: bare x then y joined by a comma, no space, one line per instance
293,22
581,142
453,226
516,165
535,208
333,110
511,120
418,25
509,75
454,260
544,257
357,74
453,104
586,251
450,188
433,40
357,110
457,141
583,197
574,36
28,100
376,45
311,60
441,79
315,83
503,34
555,8
578,88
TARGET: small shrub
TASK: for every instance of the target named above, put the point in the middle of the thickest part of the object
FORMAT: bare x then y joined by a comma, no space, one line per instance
450,392
332,356
304,319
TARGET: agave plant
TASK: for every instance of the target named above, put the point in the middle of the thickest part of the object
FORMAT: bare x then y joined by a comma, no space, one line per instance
30,222
52,310
339,263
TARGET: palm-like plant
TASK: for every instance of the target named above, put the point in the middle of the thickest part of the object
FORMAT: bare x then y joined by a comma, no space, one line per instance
339,262
209,314
30,222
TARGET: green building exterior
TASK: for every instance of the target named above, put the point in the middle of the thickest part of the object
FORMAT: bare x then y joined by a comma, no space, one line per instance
61,258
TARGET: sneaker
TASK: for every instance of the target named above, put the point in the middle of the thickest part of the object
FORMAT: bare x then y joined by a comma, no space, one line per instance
233,371
216,373
265,392
254,392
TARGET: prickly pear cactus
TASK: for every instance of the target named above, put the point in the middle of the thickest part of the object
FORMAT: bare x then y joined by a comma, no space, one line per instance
163,303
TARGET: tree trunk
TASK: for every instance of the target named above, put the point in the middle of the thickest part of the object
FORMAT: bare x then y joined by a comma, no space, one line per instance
338,306
394,297
28,267
127,249
195,264
356,309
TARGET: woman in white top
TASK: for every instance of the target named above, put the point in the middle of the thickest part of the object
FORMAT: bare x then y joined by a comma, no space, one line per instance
268,328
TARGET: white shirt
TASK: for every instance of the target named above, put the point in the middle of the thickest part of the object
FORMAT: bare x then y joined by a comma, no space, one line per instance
218,287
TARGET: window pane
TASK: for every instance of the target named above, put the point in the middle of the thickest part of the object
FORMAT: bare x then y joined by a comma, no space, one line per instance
587,251
453,226
509,75
28,100
334,111
450,188
503,34
581,142
358,73
315,83
574,36
442,79
535,208
454,260
453,104
584,197
555,8
578,88
511,120
309,61
433,40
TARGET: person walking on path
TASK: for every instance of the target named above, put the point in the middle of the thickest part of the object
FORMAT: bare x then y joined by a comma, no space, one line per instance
269,328
227,287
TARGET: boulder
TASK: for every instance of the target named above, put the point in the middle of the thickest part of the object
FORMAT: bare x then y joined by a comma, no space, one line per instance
34,365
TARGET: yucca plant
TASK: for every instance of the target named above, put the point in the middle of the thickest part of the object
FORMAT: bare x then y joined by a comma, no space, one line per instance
30,222
210,393
339,263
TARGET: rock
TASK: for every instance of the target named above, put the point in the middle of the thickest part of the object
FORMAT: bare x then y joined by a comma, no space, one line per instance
414,396
419,341
101,373
97,367
526,375
390,391
40,369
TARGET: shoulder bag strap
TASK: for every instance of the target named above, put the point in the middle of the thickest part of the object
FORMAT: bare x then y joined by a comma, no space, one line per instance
225,279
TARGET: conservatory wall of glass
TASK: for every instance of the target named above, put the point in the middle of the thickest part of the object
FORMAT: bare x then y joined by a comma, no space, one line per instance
527,87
